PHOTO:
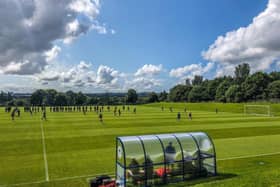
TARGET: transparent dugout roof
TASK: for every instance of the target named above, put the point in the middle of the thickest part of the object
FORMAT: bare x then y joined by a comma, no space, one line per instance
163,146
160,158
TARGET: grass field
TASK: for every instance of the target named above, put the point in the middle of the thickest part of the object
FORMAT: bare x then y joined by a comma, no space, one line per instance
69,148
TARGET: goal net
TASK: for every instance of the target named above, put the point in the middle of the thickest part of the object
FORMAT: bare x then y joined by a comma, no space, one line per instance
260,110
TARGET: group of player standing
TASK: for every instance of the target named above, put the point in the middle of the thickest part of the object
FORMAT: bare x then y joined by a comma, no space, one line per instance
179,114
84,109
189,114
15,112
117,111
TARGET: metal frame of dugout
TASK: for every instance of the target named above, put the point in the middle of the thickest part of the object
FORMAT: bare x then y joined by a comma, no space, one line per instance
151,160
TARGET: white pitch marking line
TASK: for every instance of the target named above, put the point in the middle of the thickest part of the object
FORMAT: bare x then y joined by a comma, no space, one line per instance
45,153
24,183
82,176
249,156
54,180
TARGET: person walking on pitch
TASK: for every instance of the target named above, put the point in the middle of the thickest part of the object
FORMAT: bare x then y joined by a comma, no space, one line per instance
100,117
44,115
178,116
190,115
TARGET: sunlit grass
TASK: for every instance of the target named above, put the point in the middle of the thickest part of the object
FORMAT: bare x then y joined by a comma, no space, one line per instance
80,145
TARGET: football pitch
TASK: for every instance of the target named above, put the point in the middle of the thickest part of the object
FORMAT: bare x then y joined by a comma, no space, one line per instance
70,147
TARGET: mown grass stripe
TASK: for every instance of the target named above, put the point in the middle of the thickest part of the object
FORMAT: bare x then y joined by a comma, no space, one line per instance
112,174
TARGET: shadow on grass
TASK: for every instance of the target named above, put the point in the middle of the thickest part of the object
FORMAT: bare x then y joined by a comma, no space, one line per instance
192,182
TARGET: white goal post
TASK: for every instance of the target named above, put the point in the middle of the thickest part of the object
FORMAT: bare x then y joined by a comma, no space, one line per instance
258,110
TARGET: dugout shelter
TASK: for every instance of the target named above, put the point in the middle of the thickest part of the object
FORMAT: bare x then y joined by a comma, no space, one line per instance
151,160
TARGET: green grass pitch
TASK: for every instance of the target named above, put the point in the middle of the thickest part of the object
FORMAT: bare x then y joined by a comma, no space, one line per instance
78,146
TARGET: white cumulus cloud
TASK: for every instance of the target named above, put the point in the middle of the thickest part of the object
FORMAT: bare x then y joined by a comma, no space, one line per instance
144,84
29,29
52,53
87,7
189,71
257,44
149,70
106,75
82,76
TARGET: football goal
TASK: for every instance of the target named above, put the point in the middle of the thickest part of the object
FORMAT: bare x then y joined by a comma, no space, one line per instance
258,110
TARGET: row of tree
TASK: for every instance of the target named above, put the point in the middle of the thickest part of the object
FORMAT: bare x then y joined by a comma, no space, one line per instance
51,97
4,97
242,87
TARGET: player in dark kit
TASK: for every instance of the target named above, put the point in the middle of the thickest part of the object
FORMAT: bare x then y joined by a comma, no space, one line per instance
190,115
13,114
100,117
178,116
18,112
44,115
170,153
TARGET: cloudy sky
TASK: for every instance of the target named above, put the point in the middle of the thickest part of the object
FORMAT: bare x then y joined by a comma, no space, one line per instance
110,46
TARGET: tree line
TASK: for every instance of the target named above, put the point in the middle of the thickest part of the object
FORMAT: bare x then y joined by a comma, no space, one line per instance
6,97
51,97
242,87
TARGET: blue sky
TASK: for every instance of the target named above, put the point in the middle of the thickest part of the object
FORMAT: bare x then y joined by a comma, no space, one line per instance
161,32
164,41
